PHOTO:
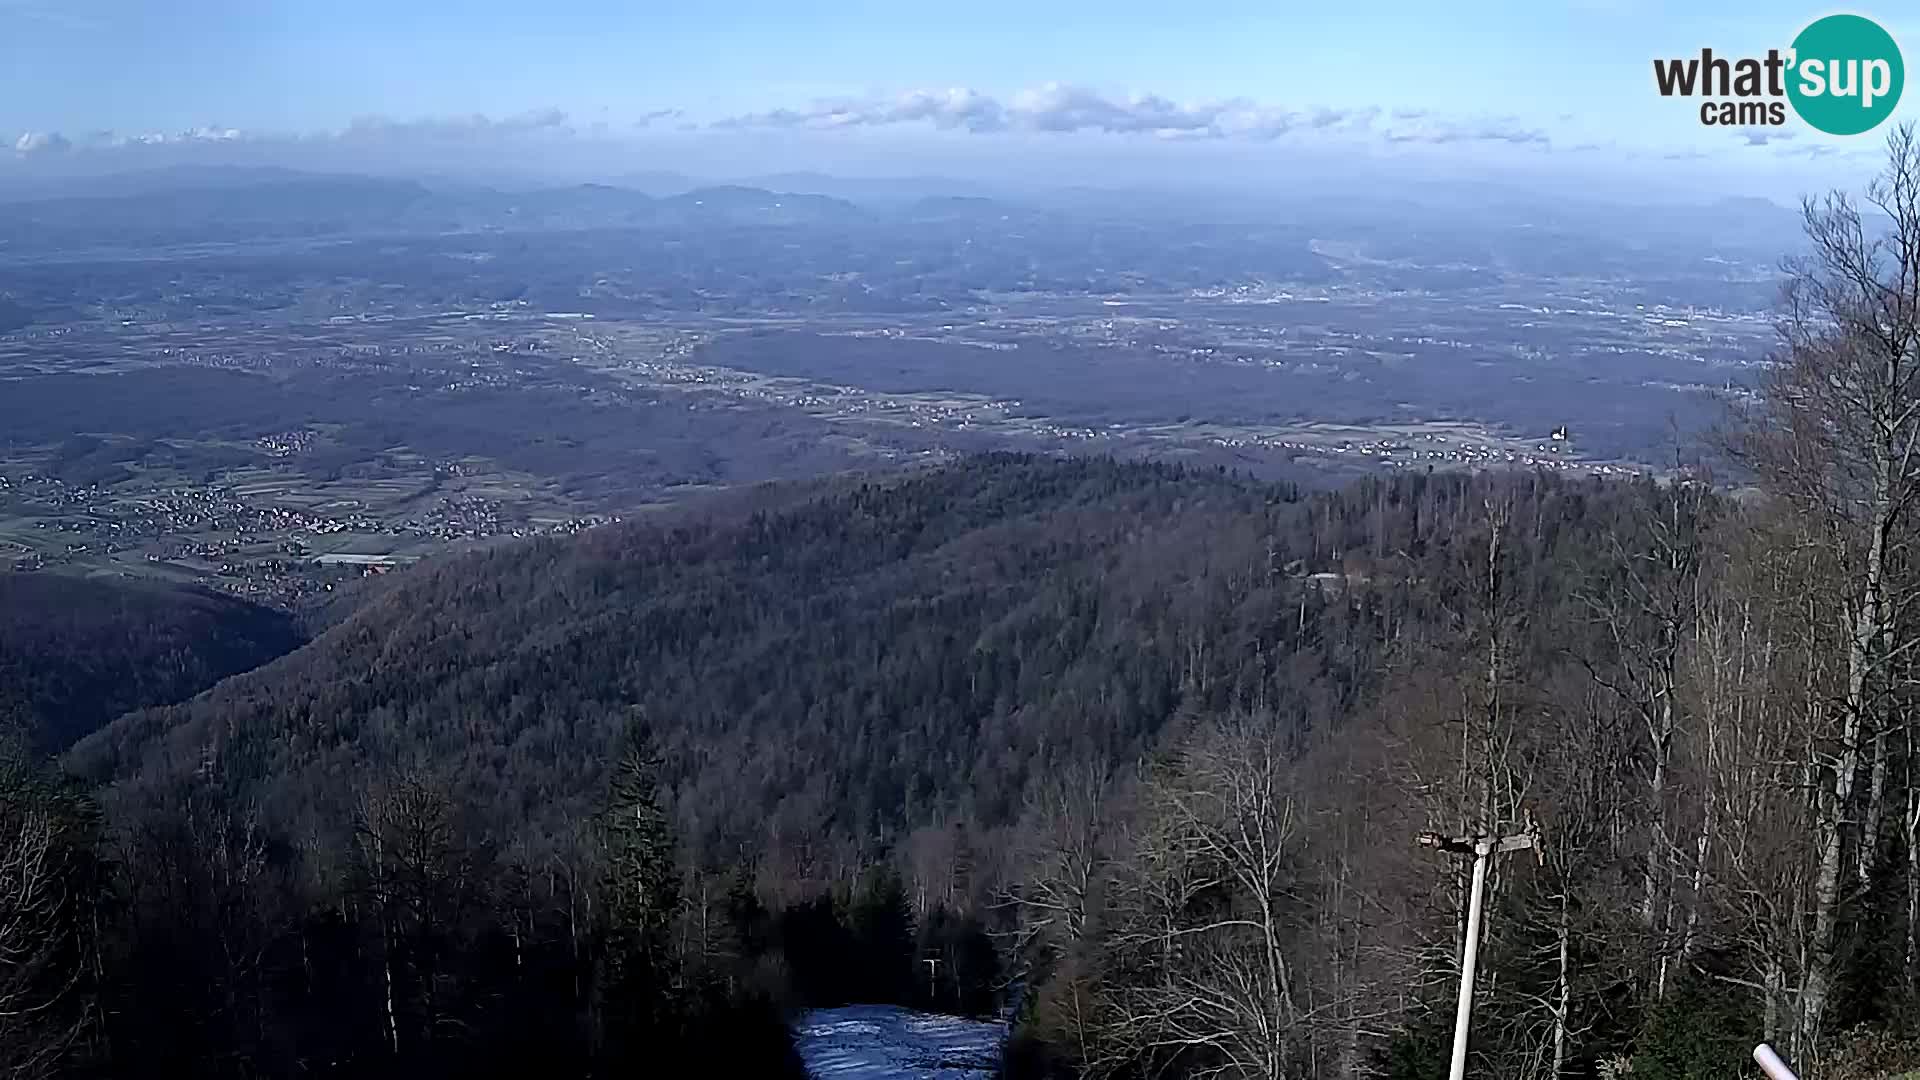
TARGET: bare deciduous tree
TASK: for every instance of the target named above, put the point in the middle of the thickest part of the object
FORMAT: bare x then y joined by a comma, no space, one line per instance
1217,916
1646,608
1837,437
42,960
416,873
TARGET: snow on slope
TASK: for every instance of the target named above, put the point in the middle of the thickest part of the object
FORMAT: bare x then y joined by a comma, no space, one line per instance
884,1042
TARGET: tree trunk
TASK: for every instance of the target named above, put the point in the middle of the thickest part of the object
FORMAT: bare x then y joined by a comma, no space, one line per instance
1770,1008
1837,799
1563,1007
386,966
1702,846
1650,871
1913,868
1876,806
1656,849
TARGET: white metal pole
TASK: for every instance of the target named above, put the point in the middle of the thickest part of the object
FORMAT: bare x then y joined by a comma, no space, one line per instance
1469,956
1771,1064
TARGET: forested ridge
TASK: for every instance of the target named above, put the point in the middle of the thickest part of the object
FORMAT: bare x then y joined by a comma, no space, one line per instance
871,713
854,699
77,652
1134,753
878,657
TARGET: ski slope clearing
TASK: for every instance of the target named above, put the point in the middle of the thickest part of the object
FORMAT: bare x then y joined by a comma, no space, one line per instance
885,1042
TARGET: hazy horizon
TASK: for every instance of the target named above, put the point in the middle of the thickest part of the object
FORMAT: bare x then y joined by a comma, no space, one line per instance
1238,97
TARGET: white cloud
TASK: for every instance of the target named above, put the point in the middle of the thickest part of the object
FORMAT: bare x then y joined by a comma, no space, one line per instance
41,142
1061,108
453,128
376,133
95,140
1504,129
949,109
60,14
647,119
210,134
1051,109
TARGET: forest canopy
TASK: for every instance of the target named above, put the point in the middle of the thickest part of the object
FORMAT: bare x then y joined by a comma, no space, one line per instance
1134,755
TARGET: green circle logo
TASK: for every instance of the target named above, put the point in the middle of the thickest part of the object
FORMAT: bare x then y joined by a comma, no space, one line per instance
1846,74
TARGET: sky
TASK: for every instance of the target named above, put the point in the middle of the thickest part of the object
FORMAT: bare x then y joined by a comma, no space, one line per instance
1062,89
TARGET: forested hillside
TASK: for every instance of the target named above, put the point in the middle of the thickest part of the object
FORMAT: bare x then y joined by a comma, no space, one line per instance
1095,736
1137,753
886,655
860,704
76,652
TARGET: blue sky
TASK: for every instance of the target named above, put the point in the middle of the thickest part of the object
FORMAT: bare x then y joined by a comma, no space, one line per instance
1540,85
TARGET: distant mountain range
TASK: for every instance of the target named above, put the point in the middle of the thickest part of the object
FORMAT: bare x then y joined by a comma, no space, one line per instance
196,204
222,205
303,205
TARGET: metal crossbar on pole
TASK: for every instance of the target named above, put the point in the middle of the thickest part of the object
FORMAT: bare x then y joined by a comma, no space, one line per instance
1482,848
